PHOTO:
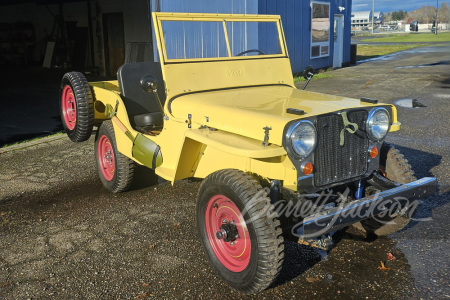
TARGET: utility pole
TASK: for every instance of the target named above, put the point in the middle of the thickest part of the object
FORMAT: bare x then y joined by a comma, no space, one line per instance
373,12
436,22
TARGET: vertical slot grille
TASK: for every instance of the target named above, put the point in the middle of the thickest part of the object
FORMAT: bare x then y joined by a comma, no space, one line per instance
335,163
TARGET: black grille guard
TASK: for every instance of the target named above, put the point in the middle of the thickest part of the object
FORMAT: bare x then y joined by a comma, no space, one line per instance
328,220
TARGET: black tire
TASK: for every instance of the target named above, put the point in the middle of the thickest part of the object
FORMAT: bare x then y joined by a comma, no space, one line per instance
80,129
119,175
265,234
395,167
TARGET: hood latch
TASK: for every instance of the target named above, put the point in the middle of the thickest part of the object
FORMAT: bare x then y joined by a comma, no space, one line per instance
266,136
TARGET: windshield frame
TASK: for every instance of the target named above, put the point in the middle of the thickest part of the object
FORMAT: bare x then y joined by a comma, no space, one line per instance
224,18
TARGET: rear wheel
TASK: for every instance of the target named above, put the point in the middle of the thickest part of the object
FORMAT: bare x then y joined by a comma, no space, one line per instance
242,239
115,169
395,167
76,106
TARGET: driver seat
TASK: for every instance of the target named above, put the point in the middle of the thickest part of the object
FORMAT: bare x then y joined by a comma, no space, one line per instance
142,107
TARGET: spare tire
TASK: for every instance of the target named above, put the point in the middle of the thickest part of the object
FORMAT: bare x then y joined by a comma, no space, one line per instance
76,106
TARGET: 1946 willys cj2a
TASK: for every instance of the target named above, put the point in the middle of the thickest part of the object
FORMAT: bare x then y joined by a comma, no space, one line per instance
221,105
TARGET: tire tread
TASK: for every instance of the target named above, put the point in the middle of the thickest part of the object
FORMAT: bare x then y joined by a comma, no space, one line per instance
269,234
125,167
84,104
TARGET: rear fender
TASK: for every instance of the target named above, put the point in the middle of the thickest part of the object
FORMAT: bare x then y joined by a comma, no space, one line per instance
104,97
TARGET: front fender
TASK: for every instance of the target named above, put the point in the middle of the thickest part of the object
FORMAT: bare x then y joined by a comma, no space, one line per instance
205,152
234,144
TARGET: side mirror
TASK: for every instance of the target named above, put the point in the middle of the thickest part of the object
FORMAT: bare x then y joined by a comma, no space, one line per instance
308,72
149,83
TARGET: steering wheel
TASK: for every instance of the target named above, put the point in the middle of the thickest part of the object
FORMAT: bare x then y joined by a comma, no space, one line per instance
251,50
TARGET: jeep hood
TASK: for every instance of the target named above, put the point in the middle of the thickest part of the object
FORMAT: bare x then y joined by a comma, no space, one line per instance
246,111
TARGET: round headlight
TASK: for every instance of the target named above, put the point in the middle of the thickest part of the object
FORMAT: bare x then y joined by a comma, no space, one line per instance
301,138
378,124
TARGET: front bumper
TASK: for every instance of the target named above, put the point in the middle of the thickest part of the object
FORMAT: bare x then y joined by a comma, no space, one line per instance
388,201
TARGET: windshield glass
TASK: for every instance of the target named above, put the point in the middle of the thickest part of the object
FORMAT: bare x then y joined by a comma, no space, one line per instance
253,38
186,39
220,39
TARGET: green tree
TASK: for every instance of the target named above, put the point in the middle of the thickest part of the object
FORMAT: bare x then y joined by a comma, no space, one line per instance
399,15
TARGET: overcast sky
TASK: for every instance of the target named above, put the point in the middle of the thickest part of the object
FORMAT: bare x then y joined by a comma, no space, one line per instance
391,5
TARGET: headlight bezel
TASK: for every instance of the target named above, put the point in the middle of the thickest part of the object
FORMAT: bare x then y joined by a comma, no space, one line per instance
369,124
289,141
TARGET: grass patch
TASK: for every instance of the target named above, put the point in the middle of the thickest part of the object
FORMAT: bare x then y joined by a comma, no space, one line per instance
30,140
317,76
412,38
372,51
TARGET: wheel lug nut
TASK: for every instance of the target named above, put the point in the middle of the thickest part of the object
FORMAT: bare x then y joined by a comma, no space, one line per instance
232,243
232,222
224,221
236,236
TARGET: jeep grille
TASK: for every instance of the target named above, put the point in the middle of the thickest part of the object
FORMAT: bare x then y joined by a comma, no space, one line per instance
335,163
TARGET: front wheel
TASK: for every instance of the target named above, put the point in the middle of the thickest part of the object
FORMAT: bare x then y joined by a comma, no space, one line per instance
239,232
115,169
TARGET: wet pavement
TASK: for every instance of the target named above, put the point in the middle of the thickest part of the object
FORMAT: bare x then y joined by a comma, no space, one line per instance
63,235
424,139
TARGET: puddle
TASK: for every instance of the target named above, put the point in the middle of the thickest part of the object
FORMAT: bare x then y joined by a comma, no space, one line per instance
410,67
424,66
442,95
410,103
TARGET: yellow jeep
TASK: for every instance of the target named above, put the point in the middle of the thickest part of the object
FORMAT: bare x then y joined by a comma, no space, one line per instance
221,105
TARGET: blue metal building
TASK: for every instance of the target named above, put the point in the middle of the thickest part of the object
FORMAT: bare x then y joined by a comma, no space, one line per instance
317,31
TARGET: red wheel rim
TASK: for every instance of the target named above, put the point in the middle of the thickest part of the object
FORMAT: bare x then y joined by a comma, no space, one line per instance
234,255
106,158
69,108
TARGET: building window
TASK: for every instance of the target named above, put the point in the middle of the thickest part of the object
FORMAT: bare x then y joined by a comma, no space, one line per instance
320,29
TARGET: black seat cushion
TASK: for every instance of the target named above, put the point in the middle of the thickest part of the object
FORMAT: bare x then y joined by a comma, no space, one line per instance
137,101
151,119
